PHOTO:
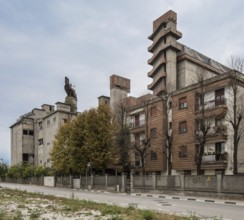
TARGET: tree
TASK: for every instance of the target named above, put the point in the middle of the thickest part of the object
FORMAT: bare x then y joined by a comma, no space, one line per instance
236,113
88,138
3,168
167,108
203,120
122,136
142,146
60,153
98,139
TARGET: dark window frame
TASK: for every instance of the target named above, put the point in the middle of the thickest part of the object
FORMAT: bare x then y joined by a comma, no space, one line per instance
153,132
183,153
183,102
182,127
154,155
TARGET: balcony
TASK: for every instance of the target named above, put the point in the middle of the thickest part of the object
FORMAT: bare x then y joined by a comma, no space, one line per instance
137,125
215,133
173,45
215,161
212,108
156,67
161,34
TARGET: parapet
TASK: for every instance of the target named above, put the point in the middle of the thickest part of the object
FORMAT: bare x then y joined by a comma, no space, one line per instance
119,83
165,18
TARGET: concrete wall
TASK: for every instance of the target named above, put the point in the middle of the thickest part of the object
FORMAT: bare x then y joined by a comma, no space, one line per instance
233,184
49,181
76,183
200,183
226,185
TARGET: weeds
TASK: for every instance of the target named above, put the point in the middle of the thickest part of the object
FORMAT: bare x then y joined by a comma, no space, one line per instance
60,207
18,215
35,214
147,215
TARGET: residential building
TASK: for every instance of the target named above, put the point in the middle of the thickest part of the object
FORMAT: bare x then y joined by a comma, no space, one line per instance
174,110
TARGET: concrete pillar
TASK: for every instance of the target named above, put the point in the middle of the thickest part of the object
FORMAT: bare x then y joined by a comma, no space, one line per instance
122,182
219,183
154,180
182,182
106,180
71,181
131,181
92,181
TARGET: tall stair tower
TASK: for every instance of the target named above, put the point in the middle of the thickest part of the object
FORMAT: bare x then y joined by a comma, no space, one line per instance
164,49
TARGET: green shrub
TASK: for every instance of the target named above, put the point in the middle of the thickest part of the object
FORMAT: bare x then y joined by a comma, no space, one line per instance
147,215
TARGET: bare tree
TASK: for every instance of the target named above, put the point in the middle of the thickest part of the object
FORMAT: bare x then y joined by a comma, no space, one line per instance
202,119
122,136
236,114
167,108
142,146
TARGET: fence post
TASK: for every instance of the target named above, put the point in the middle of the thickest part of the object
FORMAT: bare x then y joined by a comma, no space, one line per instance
122,182
71,181
182,182
92,181
131,181
106,181
154,183
219,183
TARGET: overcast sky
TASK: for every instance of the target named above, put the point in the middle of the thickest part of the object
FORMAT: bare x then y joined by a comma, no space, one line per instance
43,41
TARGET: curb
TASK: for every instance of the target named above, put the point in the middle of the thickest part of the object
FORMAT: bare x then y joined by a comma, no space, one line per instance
173,197
189,199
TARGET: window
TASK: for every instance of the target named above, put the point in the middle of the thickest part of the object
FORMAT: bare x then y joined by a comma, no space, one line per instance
182,103
28,132
54,119
182,127
219,96
64,120
154,155
137,139
170,105
25,157
220,148
48,122
40,124
153,111
219,122
153,132
170,125
183,152
40,141
137,160
137,120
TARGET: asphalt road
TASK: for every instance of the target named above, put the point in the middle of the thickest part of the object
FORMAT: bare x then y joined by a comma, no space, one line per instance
205,208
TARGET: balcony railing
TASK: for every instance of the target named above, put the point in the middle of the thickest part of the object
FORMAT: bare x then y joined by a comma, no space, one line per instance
211,104
137,124
215,157
215,130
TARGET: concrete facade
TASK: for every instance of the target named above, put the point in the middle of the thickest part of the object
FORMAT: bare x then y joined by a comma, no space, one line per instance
33,134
